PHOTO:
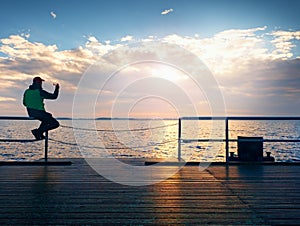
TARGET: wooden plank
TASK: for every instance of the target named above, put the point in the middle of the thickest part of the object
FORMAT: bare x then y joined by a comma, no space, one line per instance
75,194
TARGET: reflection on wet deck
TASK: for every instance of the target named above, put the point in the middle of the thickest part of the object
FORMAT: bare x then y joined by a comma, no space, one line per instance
76,194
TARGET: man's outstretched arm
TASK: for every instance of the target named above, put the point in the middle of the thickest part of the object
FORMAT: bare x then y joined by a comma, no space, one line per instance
52,96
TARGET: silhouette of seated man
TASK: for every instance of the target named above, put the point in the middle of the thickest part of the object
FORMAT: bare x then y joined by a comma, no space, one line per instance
33,100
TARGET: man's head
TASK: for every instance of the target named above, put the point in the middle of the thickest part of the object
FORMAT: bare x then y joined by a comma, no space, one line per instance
38,80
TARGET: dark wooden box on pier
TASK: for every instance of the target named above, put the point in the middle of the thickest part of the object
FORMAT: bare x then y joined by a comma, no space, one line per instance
250,148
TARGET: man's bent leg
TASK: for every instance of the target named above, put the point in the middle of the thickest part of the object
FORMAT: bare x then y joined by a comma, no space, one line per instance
37,114
52,123
47,121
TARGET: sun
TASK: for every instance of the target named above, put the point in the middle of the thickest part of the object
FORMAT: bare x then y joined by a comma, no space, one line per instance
168,72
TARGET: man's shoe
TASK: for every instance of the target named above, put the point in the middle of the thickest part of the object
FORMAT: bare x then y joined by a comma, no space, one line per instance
37,135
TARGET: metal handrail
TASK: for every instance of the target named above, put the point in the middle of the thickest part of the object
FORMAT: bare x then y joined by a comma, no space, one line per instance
226,120
22,140
222,118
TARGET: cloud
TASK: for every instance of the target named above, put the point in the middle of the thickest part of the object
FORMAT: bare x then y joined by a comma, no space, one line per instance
98,49
92,39
254,78
126,38
283,42
227,51
53,14
4,99
26,35
25,60
167,11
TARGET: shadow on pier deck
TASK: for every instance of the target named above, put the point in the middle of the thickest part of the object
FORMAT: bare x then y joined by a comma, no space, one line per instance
75,194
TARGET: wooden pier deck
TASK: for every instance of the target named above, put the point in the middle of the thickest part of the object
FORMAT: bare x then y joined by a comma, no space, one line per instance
219,195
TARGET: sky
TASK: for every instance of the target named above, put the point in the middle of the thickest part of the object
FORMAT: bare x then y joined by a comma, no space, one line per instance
250,51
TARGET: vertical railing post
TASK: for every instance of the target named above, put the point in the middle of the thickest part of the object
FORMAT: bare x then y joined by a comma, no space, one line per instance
46,146
179,139
227,139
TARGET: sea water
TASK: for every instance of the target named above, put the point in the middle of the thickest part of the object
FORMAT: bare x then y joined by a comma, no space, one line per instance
147,138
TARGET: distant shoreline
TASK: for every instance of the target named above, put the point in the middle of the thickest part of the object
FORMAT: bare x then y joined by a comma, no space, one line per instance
107,118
